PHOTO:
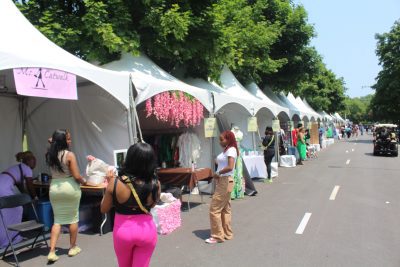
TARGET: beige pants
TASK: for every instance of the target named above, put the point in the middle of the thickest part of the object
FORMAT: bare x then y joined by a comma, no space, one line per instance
220,209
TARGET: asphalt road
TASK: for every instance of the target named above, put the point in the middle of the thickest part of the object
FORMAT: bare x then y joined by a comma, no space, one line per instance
340,209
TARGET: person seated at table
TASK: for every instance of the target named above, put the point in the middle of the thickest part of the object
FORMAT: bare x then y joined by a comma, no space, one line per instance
65,192
133,193
12,182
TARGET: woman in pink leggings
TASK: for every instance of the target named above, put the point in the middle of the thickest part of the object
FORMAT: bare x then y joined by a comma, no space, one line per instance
133,193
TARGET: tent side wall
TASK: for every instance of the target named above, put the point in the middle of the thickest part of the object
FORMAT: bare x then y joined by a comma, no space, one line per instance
11,131
97,122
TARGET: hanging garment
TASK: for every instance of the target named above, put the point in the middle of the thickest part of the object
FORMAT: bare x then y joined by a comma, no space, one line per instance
189,149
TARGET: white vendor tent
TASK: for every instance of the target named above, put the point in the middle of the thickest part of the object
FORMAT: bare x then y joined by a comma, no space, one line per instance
274,97
313,115
271,105
325,116
304,112
339,118
237,114
233,87
149,80
318,116
98,120
296,114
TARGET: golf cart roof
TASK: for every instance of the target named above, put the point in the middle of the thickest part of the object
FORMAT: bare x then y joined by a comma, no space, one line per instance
387,125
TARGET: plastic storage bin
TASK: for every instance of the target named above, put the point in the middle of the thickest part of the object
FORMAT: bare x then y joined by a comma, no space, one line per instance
45,212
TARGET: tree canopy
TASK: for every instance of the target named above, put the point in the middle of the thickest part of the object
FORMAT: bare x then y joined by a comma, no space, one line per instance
386,105
357,109
265,41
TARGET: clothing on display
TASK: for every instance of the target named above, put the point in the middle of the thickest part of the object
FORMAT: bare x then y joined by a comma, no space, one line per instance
174,150
239,183
189,149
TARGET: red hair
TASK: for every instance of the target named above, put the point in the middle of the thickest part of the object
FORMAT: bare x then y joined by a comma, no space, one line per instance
230,137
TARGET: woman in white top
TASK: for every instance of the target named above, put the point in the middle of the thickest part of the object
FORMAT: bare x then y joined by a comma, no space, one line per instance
220,208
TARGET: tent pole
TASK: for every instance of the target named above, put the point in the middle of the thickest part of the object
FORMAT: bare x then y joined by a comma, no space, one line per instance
23,103
254,141
133,118
212,115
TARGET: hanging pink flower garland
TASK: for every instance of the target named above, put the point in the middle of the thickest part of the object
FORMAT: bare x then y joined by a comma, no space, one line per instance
175,107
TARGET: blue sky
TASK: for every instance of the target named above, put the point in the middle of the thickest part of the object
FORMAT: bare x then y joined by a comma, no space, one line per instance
346,37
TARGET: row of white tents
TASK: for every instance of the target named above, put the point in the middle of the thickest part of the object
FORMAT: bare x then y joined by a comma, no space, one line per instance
104,117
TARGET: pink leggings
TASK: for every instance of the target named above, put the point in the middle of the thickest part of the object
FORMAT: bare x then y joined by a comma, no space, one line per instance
135,237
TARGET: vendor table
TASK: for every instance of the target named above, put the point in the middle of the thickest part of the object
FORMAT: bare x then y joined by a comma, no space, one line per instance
184,176
288,161
256,167
84,188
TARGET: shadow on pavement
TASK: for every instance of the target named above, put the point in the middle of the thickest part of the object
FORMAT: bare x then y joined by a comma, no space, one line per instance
184,206
360,141
26,254
202,234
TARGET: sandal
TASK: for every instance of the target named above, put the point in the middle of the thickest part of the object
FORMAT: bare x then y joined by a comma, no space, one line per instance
212,240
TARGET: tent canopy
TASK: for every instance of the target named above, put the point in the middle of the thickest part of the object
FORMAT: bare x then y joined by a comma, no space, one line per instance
232,87
325,116
318,116
24,46
308,109
103,101
150,80
304,112
337,115
274,97
295,112
271,105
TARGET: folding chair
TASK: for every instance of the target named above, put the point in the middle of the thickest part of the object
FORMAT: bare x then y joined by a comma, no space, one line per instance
24,227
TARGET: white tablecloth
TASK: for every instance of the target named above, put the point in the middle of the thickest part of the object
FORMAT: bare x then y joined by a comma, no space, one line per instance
256,167
323,144
288,161
330,141
317,147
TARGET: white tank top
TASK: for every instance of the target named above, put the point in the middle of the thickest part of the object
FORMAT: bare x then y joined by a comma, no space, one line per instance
55,173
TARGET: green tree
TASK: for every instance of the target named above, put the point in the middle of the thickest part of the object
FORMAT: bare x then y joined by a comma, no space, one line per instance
93,30
357,109
385,104
245,37
323,90
265,41
291,48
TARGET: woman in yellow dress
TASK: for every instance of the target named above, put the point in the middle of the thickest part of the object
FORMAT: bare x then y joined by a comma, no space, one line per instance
65,191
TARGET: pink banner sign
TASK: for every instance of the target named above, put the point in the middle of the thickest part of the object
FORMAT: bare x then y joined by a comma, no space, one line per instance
42,82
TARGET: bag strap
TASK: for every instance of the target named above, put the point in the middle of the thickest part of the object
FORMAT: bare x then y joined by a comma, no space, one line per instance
270,142
21,172
12,176
129,183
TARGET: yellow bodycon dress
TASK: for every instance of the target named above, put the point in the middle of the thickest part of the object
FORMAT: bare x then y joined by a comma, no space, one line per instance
65,193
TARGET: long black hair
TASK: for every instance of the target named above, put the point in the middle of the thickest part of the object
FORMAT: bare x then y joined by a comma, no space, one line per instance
269,131
140,162
58,143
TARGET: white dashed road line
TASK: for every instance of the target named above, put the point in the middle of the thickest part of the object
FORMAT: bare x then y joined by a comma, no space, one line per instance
347,162
334,192
352,150
303,223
